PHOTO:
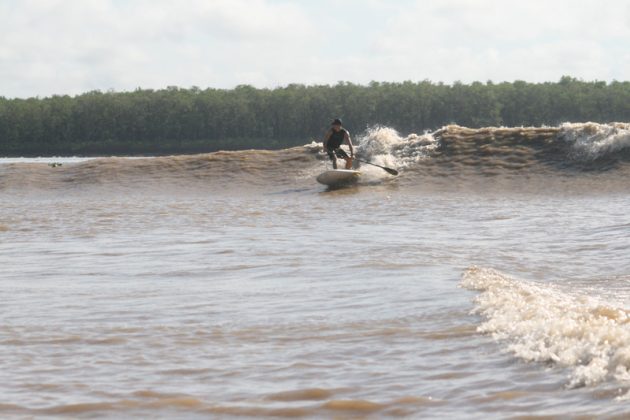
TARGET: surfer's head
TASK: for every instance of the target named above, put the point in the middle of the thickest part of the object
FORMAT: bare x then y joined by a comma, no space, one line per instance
336,124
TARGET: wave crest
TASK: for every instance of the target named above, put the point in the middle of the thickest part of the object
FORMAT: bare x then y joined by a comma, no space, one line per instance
386,146
592,141
542,323
450,156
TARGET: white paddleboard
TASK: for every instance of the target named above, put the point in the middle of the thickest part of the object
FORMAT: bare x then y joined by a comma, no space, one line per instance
338,177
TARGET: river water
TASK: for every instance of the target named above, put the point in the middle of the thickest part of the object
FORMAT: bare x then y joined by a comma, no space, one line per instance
233,285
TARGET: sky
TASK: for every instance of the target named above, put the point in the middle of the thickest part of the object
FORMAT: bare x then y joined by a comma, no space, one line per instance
72,46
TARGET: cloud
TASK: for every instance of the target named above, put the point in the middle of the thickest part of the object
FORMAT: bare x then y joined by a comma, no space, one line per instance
490,39
53,46
70,46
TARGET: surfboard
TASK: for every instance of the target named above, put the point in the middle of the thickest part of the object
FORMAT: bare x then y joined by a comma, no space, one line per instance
338,177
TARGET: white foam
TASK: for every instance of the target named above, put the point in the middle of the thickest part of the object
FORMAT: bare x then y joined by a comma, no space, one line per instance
592,140
542,323
385,146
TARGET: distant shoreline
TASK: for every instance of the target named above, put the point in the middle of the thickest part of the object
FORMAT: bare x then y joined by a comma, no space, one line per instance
185,121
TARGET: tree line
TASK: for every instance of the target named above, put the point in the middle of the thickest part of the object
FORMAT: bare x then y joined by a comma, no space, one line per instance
177,120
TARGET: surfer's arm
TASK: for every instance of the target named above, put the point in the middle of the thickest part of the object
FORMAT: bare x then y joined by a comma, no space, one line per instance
349,141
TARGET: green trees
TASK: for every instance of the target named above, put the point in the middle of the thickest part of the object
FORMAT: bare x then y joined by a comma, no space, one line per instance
175,120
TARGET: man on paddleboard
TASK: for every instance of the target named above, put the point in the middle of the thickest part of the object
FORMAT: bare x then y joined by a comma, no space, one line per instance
333,140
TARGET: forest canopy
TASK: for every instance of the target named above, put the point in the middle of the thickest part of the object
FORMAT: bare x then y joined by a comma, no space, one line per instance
177,120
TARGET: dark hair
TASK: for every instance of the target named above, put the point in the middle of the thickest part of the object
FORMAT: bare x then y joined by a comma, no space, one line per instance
336,121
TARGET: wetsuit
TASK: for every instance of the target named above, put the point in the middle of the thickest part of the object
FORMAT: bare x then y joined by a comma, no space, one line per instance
333,146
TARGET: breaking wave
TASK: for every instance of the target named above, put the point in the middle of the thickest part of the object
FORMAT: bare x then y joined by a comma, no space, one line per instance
452,153
593,141
544,323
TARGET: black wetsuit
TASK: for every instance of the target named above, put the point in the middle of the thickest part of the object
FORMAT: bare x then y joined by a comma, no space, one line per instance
334,143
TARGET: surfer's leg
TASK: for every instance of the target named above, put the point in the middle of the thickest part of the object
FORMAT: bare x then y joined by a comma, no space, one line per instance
333,158
343,155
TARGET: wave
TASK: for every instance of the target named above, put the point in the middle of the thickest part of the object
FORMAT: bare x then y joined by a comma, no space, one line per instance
219,170
448,155
579,145
591,141
543,323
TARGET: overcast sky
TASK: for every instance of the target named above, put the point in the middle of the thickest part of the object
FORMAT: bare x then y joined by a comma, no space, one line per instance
72,46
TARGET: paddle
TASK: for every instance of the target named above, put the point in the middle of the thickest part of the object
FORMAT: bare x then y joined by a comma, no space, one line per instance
388,170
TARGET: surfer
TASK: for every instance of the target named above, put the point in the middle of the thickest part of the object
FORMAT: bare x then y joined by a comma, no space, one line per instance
333,140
